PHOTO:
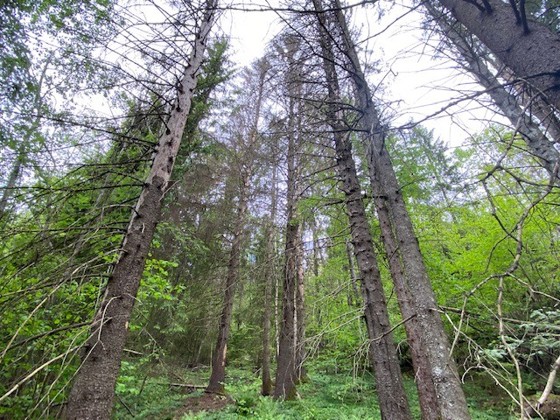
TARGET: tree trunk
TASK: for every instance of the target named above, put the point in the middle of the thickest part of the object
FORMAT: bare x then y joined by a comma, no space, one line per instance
533,53
383,356
286,372
93,390
534,103
316,248
270,274
286,367
216,382
301,374
354,295
427,337
10,185
537,142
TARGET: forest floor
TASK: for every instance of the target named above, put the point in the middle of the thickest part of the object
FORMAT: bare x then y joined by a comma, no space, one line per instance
154,394
203,403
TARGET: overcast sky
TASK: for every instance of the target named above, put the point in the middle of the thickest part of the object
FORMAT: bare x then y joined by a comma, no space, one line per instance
416,83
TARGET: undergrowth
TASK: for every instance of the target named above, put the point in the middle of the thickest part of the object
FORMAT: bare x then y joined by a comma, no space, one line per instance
327,395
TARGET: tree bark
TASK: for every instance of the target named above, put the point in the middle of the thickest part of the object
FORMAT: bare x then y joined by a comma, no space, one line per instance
270,274
93,390
266,388
533,54
354,295
440,392
383,356
285,386
301,374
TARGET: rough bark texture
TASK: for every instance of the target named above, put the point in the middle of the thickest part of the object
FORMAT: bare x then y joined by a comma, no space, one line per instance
383,356
216,382
533,55
414,291
427,393
301,375
93,390
537,142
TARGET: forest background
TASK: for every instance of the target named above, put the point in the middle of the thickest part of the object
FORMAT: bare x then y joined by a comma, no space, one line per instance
168,216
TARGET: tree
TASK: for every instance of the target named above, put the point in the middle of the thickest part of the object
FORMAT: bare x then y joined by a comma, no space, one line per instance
292,327
472,55
93,390
269,275
245,164
439,386
392,398
529,48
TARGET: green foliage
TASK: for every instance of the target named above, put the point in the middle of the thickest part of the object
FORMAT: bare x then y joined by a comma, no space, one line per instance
325,396
144,391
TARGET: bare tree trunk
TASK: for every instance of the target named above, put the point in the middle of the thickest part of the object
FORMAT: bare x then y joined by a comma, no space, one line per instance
537,142
301,374
270,274
383,356
287,367
93,390
277,321
529,48
216,382
10,185
285,386
266,376
355,294
286,375
429,343
316,248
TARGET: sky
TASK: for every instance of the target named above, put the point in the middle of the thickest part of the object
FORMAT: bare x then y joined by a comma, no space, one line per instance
417,84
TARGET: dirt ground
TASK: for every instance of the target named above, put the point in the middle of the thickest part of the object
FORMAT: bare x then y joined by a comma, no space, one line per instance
204,402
